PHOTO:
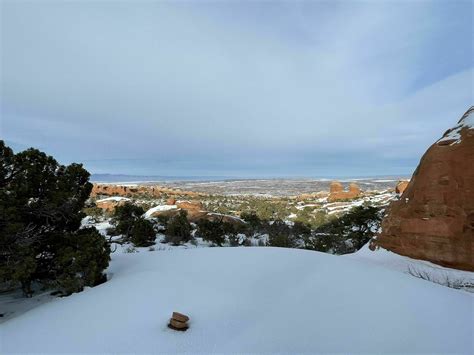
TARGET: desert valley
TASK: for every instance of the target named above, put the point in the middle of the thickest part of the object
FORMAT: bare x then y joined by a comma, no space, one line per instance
237,177
316,260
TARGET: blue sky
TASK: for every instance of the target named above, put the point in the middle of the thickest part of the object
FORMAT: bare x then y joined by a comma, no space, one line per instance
237,88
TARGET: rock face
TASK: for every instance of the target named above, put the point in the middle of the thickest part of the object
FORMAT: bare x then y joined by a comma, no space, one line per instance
434,218
337,193
401,186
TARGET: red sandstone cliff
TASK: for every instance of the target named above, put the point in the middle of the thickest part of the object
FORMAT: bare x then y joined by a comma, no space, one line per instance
434,218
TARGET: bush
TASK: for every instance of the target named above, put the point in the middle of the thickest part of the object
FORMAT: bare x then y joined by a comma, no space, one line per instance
40,218
178,229
236,240
142,233
125,217
253,221
281,235
347,233
94,212
80,260
211,231
301,229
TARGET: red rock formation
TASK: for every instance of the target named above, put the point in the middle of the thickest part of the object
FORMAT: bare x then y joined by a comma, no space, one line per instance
195,212
434,218
337,193
109,204
401,186
140,190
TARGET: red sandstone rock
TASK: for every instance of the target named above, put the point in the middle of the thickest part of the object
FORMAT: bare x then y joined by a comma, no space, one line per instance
180,317
177,325
434,218
337,193
401,186
109,204
189,205
143,190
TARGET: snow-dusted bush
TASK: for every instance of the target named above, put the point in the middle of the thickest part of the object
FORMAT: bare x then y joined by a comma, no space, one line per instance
178,229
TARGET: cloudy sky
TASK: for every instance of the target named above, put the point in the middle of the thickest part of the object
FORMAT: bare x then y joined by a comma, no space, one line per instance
235,88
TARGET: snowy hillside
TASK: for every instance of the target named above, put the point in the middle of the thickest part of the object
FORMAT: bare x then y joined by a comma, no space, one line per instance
249,300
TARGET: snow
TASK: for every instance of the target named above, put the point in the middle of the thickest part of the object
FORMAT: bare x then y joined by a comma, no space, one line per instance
387,259
160,208
114,198
467,121
249,300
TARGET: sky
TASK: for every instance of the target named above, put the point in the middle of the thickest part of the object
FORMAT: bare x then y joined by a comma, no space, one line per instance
235,88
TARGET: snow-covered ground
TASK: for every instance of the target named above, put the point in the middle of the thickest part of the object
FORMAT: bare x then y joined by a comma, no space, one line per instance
250,300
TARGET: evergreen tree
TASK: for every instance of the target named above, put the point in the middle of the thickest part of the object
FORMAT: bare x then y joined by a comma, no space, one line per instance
142,233
40,214
178,229
125,217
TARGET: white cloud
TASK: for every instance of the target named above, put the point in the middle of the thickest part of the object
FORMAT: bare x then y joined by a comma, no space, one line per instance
187,83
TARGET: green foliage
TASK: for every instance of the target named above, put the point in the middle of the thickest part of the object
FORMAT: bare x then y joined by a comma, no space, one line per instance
93,211
178,229
85,254
40,215
142,233
125,217
253,221
215,231
301,229
347,233
129,222
281,235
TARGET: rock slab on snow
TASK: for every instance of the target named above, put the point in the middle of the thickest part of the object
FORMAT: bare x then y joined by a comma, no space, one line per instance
178,321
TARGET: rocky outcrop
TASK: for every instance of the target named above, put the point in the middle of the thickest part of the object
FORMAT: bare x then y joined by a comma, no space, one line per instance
140,190
401,186
195,212
109,204
434,218
337,193
311,196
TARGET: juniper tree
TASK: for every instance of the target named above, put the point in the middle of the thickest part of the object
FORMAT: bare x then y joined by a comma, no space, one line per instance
40,214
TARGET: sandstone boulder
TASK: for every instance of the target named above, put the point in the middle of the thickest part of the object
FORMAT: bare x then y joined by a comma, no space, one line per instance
434,218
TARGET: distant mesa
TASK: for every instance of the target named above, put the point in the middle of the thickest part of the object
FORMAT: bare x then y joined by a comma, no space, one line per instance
337,193
401,186
434,218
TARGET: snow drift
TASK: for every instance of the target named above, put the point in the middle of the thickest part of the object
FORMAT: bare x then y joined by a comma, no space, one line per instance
249,300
